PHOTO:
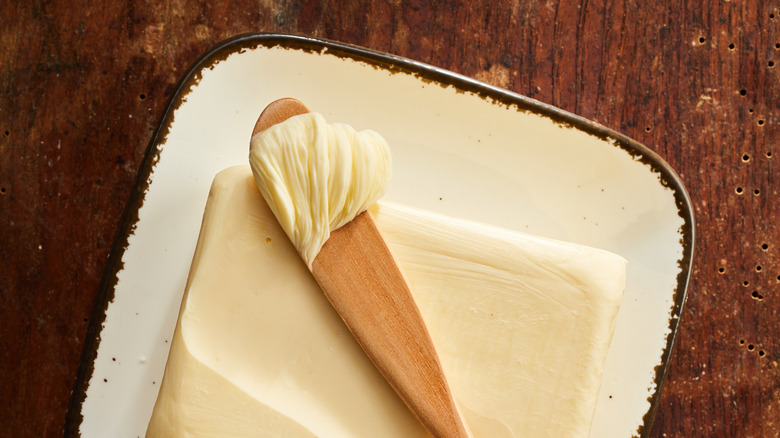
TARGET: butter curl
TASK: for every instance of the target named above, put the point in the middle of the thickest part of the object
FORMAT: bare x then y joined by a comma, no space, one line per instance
316,177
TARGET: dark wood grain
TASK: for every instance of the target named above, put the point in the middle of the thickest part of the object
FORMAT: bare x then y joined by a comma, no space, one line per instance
83,84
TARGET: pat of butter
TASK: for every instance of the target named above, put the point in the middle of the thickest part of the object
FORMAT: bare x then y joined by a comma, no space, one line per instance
521,325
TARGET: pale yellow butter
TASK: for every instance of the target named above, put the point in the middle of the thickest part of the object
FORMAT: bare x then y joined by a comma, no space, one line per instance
521,324
316,176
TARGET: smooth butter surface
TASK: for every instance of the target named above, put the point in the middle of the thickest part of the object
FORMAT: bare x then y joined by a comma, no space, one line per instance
521,324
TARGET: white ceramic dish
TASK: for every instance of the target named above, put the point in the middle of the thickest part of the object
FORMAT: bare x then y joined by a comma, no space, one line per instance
460,147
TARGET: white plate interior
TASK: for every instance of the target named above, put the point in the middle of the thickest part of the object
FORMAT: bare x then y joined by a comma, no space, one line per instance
453,152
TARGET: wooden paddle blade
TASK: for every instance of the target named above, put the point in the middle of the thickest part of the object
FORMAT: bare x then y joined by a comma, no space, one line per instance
361,279
278,111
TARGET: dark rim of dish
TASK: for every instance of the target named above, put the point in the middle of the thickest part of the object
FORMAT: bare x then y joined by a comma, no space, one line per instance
394,64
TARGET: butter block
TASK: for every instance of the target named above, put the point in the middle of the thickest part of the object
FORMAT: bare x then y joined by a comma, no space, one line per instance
522,326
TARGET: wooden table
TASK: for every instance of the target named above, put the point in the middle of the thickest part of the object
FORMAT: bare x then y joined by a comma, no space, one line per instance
83,85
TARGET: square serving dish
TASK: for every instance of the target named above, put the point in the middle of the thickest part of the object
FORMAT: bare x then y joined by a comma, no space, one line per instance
460,147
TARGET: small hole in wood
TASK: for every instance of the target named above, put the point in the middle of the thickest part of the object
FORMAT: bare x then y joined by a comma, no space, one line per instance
772,15
647,129
7,133
743,92
756,295
751,347
761,353
758,268
702,40
750,110
721,270
746,283
732,46
756,192
760,122
741,342
2,190
746,158
769,154
777,45
142,96
770,64
739,190
765,246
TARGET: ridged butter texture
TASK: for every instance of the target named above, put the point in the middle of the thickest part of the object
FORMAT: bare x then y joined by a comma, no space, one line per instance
316,176
521,324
